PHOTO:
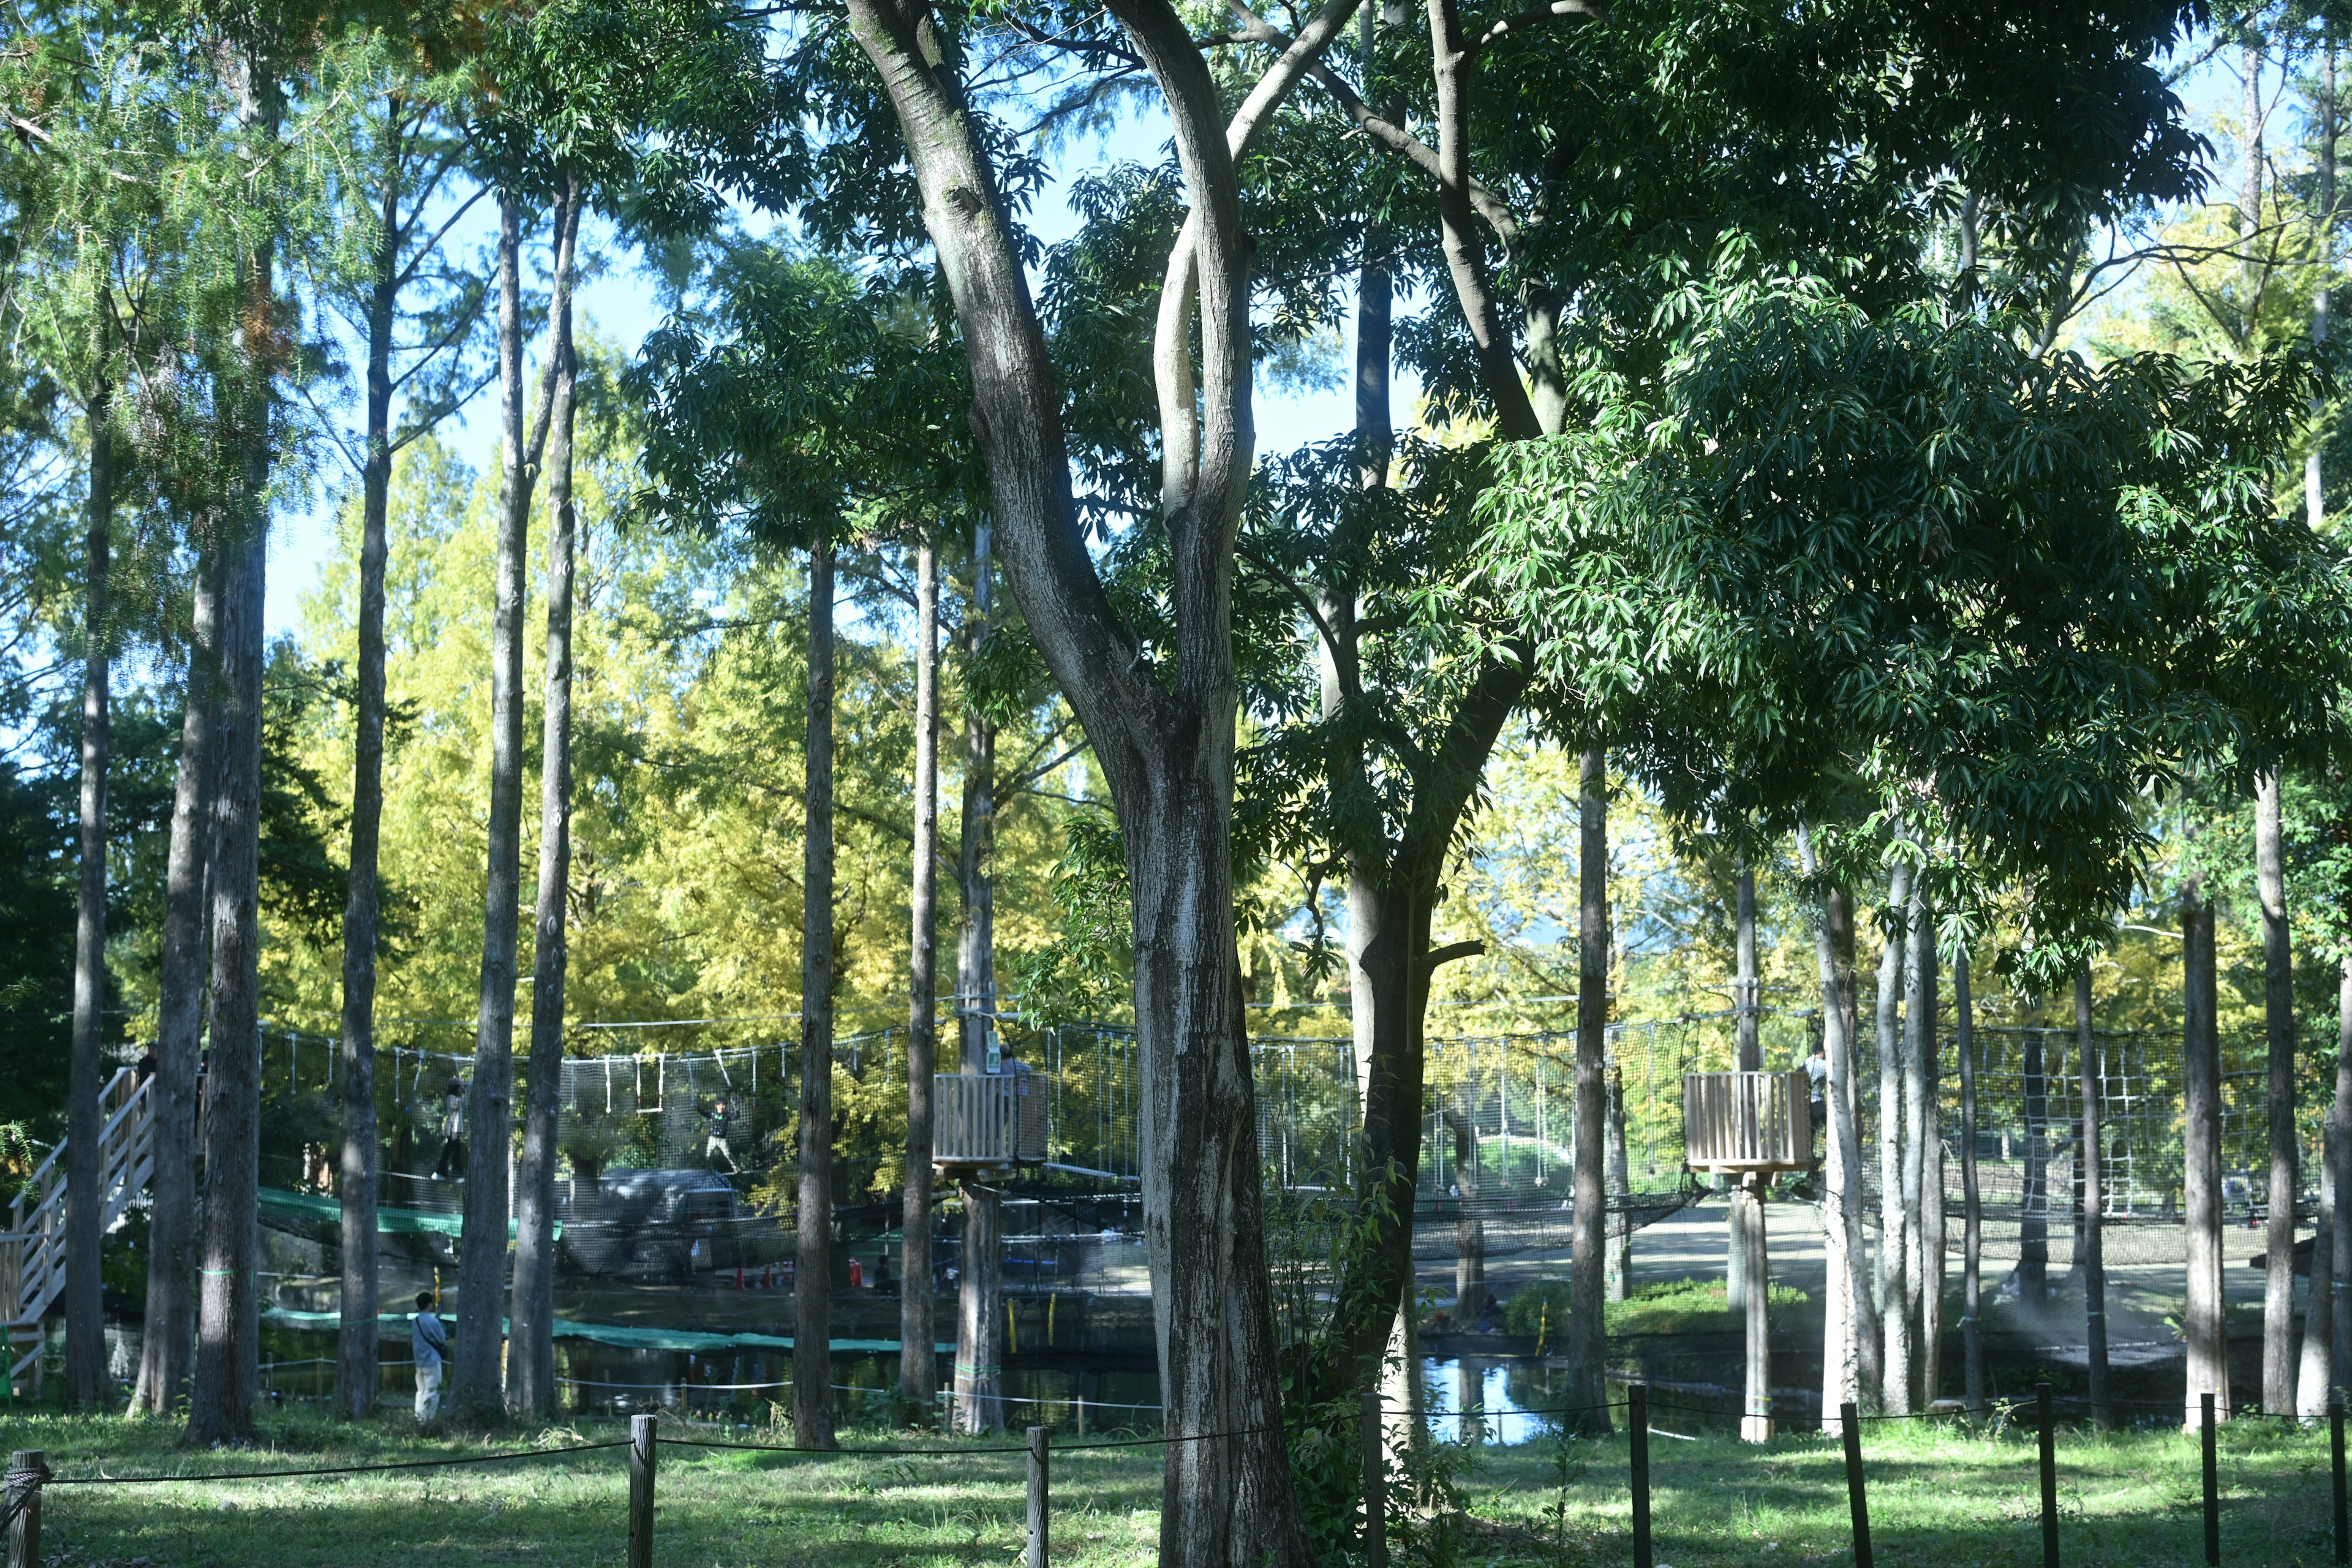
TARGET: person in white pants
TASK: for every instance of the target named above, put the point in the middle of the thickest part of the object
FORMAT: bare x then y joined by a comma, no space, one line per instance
428,1343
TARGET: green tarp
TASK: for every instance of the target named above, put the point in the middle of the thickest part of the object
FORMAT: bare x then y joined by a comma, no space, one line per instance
626,1337
391,1221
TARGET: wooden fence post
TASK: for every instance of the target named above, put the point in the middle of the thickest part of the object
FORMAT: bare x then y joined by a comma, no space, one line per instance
1376,1485
2048,1436
1038,1482
2205,1441
26,1471
1637,1420
2335,1457
641,1491
1851,1420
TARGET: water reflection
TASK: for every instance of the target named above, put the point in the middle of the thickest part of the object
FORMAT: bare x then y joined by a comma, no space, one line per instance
1471,1400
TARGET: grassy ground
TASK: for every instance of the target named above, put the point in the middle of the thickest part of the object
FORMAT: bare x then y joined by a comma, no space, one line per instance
1938,1496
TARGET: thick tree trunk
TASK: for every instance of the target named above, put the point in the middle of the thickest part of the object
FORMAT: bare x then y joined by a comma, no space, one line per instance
1756,1407
531,1353
1971,1199
918,1366
355,1187
474,1385
2278,1016
2093,1258
979,1314
86,1379
167,1342
1587,1338
1849,1372
228,1319
1745,1000
812,1232
2204,1323
1920,1007
1898,1197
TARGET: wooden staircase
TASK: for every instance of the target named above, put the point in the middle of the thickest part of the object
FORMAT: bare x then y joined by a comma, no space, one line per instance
33,1249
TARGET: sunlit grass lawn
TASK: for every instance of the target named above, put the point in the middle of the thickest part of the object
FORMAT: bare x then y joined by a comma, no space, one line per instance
1938,1496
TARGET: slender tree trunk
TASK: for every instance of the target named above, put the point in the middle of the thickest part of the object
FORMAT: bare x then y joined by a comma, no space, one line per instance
1971,1199
229,1318
2033,1202
2314,488
530,1354
86,1380
1895,1204
355,1187
2095,1256
979,1314
1588,1339
1469,1228
1741,1214
918,1366
2278,1011
979,1282
2339,1127
812,1245
167,1342
2205,1324
2314,1372
1850,1327
1617,1173
475,1384
1928,1283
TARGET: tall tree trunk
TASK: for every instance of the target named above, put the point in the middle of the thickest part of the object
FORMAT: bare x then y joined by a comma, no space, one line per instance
2033,1202
1971,1200
228,1319
1897,1199
919,1365
2314,488
813,1243
86,1380
2205,1323
1741,1213
1925,1124
2095,1256
2278,1016
167,1342
1461,1115
1850,1332
2339,1127
355,1187
531,1352
1587,1338
980,1280
1616,1175
474,1385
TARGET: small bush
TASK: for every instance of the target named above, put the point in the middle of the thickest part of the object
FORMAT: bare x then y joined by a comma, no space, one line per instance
1537,1306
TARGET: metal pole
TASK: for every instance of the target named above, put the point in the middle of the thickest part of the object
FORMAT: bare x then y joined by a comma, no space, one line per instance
1376,1493
1851,1420
1037,1495
1637,1418
2049,1434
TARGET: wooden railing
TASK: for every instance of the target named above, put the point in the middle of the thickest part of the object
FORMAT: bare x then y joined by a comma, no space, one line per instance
1735,1122
33,1249
988,1118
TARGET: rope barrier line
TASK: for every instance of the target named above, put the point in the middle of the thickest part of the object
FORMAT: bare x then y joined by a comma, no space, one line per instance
57,1480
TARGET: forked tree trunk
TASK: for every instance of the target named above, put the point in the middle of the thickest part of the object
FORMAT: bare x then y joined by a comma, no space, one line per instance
167,1342
531,1352
2204,1325
1587,1338
918,1366
2285,1178
355,1187
1897,1199
2095,1257
1849,1327
86,1379
229,1317
1971,1201
474,1385
812,1230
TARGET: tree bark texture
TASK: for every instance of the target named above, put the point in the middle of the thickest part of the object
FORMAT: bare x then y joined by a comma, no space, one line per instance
1899,1191
475,1384
167,1342
2204,1324
1971,1196
531,1352
229,1318
1850,1327
1588,1339
1924,1123
86,1379
1461,1116
812,1232
919,1365
2285,1177
1616,1172
979,1370
1740,1214
357,1176
979,1314
2339,1128
2094,1258
2034,1220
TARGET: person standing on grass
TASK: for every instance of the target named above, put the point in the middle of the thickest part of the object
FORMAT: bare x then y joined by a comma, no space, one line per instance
428,1342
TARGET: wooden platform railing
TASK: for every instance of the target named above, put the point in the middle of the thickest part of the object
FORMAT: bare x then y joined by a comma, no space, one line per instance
33,1249
988,1118
1735,1122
